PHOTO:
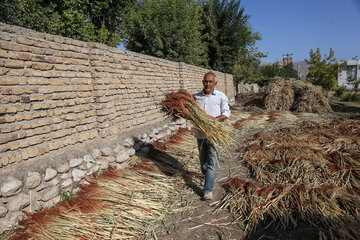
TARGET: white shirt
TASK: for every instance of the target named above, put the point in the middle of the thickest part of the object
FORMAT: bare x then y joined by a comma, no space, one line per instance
215,104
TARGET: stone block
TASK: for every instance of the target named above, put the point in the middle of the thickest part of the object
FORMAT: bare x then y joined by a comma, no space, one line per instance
11,187
33,180
110,159
78,175
96,153
122,156
75,162
50,173
18,202
49,193
3,211
25,40
67,183
88,158
64,176
64,168
106,151
103,164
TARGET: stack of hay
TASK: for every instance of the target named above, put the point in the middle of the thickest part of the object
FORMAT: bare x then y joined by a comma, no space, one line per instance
278,95
309,98
288,95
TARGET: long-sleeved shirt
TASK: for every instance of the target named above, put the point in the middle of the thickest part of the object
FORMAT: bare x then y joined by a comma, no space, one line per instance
214,105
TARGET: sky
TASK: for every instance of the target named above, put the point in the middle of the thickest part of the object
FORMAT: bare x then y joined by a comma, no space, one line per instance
296,26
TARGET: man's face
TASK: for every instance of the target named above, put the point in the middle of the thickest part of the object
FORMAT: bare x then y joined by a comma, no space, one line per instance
209,83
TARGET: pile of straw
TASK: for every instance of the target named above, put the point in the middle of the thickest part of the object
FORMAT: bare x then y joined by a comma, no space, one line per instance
278,95
309,98
287,95
182,104
309,173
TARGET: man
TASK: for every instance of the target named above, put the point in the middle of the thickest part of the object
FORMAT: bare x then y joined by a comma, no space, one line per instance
215,104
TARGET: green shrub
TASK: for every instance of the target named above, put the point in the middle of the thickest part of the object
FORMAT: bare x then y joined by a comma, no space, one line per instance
340,91
351,97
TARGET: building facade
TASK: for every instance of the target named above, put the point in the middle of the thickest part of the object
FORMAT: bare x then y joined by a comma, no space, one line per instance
350,69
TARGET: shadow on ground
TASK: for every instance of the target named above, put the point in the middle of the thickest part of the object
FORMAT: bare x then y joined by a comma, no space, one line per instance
344,107
171,166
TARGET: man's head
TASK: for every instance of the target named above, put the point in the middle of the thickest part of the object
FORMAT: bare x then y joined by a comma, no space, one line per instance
209,82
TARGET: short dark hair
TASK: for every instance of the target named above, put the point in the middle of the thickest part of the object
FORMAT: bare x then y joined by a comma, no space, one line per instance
210,73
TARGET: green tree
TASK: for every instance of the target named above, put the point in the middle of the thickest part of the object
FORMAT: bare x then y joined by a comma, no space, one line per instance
169,29
270,71
247,65
38,15
323,71
277,70
226,33
96,20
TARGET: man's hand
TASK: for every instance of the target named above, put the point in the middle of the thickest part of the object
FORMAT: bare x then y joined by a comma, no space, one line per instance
218,118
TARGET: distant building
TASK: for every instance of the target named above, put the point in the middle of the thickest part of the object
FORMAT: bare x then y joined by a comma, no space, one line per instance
352,68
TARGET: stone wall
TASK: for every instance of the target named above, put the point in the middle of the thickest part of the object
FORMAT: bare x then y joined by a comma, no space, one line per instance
60,97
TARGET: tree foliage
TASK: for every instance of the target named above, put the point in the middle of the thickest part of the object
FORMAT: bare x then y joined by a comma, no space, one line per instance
323,71
208,33
268,72
247,65
169,29
96,20
351,80
226,33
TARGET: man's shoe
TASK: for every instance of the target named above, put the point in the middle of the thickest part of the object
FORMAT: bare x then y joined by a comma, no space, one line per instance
208,196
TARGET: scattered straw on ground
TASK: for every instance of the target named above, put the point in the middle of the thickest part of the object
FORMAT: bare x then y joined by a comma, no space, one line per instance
120,204
310,172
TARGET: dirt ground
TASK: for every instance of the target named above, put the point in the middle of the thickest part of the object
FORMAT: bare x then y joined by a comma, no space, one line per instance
198,220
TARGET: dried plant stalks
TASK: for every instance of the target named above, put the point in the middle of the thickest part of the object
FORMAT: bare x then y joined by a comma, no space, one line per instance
117,204
330,208
309,173
288,95
182,104
279,95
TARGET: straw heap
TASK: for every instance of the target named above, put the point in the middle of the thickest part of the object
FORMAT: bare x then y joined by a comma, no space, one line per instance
309,173
279,95
184,105
286,95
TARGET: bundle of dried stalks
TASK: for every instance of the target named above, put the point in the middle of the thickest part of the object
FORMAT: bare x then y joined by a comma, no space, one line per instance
309,98
278,95
320,151
311,172
184,105
330,208
287,95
